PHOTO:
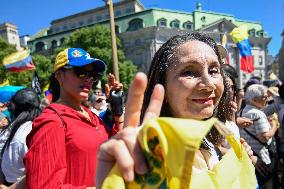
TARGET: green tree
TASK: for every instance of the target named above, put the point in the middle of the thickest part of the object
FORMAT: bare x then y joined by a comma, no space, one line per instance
5,49
97,41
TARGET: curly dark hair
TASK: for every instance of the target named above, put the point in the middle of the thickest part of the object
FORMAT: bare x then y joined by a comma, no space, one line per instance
160,64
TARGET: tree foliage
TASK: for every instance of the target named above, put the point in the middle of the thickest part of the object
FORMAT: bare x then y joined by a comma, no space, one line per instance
97,41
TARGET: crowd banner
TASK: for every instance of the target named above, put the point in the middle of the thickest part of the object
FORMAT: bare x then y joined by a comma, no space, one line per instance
240,36
18,61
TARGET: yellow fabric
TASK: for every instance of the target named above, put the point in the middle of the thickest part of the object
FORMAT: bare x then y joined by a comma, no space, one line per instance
169,146
61,59
239,34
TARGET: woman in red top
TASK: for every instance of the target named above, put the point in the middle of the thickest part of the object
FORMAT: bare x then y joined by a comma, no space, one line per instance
64,141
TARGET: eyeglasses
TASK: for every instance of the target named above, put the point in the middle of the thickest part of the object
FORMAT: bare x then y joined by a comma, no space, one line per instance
81,73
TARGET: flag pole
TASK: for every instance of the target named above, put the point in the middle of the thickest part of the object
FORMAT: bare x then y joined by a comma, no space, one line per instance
113,39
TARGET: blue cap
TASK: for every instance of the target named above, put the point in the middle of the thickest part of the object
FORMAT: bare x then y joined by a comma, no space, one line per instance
77,57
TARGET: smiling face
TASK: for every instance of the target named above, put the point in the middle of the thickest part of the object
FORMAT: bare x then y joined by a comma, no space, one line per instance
72,86
194,84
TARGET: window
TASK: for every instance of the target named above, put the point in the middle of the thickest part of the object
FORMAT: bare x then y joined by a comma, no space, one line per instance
260,33
135,24
39,46
53,44
203,18
252,32
260,60
62,41
107,16
128,10
187,25
73,26
90,20
162,22
57,29
65,27
175,24
99,18
13,31
117,13
81,23
117,29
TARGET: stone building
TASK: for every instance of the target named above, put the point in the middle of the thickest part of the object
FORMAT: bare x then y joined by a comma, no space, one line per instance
143,31
9,32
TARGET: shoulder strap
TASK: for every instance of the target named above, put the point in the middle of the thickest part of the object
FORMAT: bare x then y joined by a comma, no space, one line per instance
253,136
56,112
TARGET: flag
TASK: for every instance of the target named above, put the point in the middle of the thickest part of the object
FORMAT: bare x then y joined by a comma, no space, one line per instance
224,44
5,83
18,61
36,83
240,37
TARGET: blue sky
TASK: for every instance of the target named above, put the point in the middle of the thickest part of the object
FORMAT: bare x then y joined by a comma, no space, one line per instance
32,15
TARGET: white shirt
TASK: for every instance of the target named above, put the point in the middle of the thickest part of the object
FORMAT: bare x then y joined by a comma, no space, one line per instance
12,161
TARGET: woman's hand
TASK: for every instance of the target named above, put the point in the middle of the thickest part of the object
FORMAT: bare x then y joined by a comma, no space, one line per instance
112,84
249,151
243,122
124,148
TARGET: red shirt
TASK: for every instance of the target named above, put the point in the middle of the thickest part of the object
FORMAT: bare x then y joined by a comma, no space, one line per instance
63,158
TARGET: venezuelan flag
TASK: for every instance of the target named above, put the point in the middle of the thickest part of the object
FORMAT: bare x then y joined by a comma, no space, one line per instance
240,36
18,61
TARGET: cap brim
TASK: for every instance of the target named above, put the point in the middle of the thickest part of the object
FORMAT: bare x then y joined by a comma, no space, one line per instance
222,50
99,65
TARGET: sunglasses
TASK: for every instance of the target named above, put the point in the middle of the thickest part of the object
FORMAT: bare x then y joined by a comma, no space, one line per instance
82,72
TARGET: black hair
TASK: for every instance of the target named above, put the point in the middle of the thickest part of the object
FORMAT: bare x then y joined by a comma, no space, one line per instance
26,108
160,64
231,73
281,91
54,88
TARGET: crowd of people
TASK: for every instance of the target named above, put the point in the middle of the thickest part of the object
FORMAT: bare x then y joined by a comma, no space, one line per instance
74,140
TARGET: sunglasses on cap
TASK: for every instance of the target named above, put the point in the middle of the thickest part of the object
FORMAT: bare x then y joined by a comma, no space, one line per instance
82,72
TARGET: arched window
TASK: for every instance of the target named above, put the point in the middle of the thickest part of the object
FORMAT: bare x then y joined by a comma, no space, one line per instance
62,41
117,29
175,24
39,46
187,25
252,32
203,18
53,44
260,33
135,24
162,22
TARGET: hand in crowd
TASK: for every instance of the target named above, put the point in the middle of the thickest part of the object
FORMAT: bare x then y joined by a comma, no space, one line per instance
234,106
112,85
123,148
249,151
244,122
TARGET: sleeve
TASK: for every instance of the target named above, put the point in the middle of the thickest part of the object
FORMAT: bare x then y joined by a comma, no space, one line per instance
45,161
262,125
271,109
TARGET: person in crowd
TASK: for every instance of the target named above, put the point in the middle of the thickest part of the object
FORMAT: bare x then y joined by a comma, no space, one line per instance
232,120
26,107
185,81
64,140
261,132
98,104
4,120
